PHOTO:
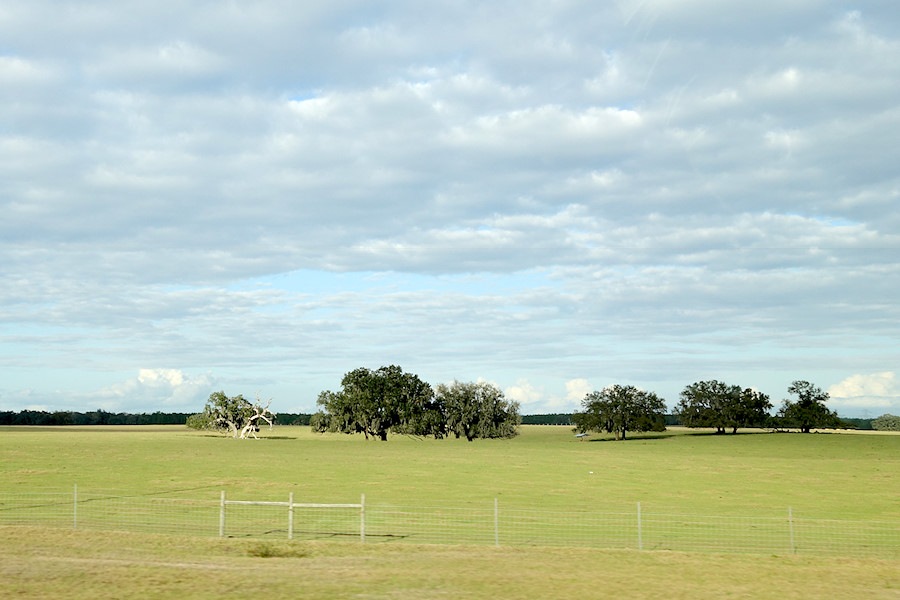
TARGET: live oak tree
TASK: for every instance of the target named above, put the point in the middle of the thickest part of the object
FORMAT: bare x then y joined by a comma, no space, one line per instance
235,415
374,402
335,414
477,410
809,411
499,417
388,400
429,420
618,409
703,404
716,404
752,410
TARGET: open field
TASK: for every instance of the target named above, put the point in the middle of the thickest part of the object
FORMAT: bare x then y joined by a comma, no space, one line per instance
820,476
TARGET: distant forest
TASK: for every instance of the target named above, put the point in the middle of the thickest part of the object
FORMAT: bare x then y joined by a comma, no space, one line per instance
102,417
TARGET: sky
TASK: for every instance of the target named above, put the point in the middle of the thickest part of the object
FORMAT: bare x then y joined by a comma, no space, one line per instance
555,196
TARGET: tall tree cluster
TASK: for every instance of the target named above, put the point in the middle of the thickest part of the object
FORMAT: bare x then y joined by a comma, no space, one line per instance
809,410
476,410
716,404
618,409
376,402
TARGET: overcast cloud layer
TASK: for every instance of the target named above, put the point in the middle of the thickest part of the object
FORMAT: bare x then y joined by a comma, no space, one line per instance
553,196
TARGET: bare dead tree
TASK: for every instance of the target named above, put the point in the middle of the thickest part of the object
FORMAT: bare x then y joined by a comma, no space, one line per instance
260,413
235,415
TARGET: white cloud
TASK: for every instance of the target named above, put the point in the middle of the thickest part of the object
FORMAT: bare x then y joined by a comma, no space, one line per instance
535,399
168,390
16,71
168,63
524,393
874,391
160,377
576,390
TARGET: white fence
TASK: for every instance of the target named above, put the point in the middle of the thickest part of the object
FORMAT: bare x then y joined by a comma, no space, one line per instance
316,517
636,527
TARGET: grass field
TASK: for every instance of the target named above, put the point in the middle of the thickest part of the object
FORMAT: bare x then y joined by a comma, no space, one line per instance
820,475
829,476
37,563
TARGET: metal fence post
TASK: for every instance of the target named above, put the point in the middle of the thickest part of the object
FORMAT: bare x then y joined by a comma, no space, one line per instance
791,529
362,518
291,516
640,532
496,523
222,515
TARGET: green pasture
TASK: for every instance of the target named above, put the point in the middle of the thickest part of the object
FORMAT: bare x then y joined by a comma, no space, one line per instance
842,476
826,475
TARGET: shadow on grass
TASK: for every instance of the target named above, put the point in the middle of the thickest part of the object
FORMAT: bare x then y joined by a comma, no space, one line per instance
727,434
654,436
260,438
667,434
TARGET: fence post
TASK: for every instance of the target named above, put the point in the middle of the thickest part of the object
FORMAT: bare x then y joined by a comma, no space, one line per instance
791,529
640,532
496,523
222,515
75,509
362,518
291,516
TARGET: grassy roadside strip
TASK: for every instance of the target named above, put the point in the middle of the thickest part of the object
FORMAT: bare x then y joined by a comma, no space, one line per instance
42,563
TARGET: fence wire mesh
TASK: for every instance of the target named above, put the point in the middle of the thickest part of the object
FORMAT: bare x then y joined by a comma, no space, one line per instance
638,527
311,523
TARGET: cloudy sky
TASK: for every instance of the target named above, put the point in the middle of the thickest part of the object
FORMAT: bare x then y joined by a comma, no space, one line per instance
554,196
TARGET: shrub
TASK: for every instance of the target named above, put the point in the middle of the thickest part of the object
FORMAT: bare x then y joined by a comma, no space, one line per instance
886,422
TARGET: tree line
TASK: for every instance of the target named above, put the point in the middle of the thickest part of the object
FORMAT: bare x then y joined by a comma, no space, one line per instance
101,417
547,419
376,402
96,417
885,422
713,404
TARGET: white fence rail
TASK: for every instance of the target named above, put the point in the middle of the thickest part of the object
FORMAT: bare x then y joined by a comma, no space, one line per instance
319,518
637,527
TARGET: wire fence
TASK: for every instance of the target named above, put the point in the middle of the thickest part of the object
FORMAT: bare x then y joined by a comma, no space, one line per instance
635,527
